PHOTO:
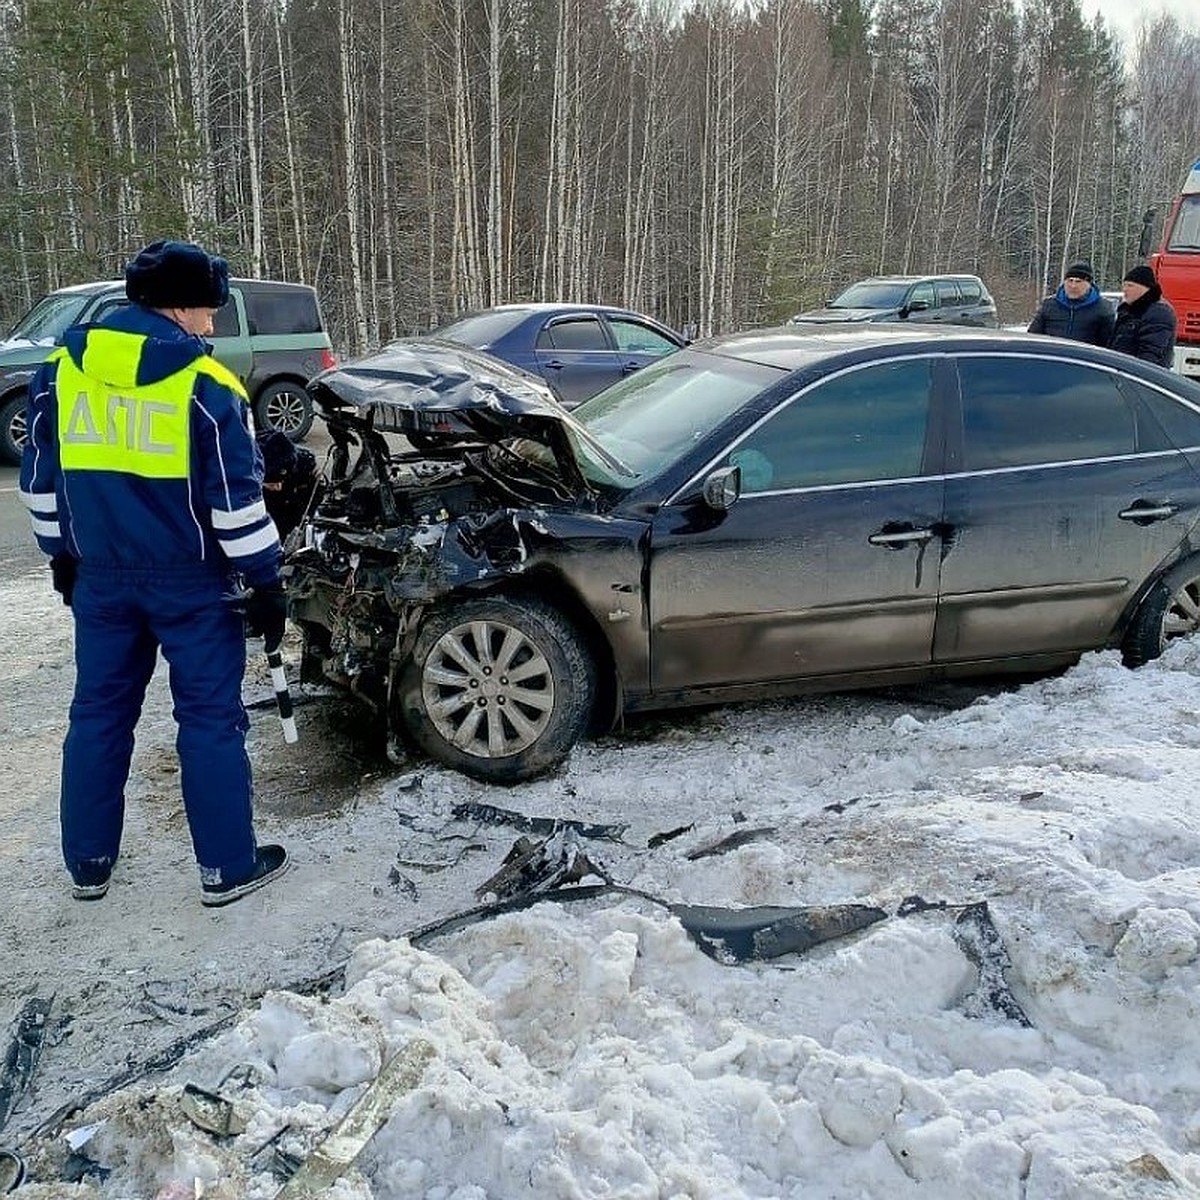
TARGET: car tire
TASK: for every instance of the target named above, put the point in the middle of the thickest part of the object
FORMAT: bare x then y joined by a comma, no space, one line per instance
284,405
1169,610
456,703
12,427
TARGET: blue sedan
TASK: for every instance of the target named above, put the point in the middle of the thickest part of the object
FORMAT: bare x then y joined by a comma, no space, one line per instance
579,349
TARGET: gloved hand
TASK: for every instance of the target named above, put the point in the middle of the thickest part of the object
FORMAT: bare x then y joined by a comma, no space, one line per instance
266,614
63,568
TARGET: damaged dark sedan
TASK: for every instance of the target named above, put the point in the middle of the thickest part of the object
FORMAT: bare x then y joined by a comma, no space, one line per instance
760,514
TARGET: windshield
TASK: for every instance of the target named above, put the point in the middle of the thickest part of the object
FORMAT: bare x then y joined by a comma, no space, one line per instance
653,418
1185,233
482,329
50,318
871,295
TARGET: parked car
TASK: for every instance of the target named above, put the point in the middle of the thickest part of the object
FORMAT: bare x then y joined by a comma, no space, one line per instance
764,513
924,299
270,334
577,348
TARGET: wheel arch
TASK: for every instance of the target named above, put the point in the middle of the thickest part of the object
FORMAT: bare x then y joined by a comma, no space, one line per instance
548,587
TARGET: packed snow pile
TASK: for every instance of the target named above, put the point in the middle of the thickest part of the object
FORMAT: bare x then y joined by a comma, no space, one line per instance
986,984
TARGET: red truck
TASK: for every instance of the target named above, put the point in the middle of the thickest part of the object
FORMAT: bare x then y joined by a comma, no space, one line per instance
1177,266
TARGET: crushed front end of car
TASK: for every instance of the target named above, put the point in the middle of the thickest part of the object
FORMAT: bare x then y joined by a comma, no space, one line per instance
443,465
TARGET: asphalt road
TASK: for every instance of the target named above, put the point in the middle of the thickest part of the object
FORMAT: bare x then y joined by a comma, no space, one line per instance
18,551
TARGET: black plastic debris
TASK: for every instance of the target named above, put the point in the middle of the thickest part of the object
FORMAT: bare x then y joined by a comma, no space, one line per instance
532,866
731,841
977,936
770,931
669,835
21,1056
489,814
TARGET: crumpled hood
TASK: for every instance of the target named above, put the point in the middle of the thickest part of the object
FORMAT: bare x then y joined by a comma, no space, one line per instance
435,386
439,389
129,358
827,316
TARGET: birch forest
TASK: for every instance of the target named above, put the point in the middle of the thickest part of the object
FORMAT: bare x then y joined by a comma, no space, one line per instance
718,164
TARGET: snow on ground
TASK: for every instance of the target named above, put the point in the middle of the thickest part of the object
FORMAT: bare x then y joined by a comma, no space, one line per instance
590,1048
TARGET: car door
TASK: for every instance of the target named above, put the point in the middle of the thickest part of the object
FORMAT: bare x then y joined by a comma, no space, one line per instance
1066,499
575,357
230,339
921,303
826,565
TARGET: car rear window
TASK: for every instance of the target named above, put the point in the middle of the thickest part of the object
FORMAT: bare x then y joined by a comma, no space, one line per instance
1179,422
282,310
575,333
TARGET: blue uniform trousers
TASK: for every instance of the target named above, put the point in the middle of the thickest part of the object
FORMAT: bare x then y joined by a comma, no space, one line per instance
122,617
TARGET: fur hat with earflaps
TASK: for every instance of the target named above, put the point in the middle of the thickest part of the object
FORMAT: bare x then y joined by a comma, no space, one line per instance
177,275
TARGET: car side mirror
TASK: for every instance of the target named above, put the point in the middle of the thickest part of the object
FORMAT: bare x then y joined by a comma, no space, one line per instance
722,488
1147,227
914,306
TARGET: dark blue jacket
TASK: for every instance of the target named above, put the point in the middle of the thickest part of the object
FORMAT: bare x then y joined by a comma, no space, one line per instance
1146,329
145,458
1089,319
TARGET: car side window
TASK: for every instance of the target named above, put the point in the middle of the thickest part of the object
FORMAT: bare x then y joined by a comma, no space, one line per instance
632,337
970,291
864,425
1018,412
107,307
280,311
576,333
1178,424
947,293
922,293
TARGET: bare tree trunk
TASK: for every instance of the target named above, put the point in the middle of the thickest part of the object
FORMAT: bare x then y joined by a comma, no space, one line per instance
350,167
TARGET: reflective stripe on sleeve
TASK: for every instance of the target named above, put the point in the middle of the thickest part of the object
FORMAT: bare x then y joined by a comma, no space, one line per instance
252,514
45,529
251,543
45,503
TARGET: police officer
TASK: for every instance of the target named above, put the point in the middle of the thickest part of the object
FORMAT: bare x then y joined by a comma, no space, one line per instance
144,485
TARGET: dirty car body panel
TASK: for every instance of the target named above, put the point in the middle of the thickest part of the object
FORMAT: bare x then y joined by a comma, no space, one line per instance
764,513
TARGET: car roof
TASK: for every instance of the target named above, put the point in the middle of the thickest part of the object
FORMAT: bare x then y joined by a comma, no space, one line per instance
104,285
553,306
792,347
917,278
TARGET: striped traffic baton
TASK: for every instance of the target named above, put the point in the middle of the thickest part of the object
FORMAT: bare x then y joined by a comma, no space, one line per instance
283,697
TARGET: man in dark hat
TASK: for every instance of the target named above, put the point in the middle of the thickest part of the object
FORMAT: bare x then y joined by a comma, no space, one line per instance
144,484
1076,310
1145,325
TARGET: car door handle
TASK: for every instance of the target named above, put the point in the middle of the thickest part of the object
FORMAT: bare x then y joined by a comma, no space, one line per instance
1145,512
895,538
554,363
629,368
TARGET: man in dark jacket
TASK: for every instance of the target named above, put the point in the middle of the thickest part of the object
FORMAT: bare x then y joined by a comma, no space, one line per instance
291,482
1145,324
144,484
1076,310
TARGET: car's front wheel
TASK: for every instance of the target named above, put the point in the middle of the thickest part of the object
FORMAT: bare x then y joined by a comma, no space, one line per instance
12,427
286,406
1169,610
497,688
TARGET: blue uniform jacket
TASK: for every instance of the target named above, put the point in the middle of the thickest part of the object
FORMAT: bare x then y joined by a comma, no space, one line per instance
109,511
